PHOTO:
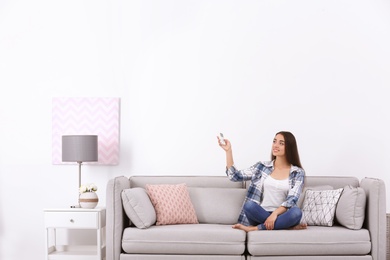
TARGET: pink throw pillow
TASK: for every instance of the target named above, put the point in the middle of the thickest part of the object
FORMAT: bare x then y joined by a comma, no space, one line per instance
172,204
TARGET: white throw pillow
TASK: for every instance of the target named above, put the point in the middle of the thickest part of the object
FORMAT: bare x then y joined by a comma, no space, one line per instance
138,207
319,207
351,207
302,196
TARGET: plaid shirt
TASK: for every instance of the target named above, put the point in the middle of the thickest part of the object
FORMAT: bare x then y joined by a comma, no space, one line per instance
257,175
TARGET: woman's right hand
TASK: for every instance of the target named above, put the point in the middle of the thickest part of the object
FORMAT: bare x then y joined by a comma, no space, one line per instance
229,154
227,146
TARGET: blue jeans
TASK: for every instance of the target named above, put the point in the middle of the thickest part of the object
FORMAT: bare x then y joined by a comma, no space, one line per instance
257,216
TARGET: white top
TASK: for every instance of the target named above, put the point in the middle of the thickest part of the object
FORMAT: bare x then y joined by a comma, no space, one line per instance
275,193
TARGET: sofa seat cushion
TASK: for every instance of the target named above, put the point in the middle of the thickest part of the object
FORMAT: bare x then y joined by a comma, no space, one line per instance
184,239
315,240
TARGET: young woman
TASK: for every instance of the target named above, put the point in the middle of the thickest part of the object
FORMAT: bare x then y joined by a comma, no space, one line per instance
274,188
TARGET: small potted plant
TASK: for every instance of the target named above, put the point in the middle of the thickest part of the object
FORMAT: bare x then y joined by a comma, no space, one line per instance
88,198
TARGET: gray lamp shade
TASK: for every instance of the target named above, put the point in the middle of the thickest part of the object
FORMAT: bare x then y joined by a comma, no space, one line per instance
79,148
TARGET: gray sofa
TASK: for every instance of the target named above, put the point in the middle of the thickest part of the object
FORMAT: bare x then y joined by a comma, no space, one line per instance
217,202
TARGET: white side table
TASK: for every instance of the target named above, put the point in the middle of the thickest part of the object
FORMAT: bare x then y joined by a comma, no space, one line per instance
75,218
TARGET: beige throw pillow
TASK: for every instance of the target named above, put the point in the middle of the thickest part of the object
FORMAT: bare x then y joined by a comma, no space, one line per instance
351,207
138,207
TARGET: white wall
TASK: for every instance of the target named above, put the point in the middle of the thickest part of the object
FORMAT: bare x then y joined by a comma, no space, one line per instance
186,70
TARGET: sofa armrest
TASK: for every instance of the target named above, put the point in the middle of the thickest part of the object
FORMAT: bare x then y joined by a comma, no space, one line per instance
375,218
115,217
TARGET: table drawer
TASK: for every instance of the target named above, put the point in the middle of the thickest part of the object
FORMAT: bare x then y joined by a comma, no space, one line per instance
72,219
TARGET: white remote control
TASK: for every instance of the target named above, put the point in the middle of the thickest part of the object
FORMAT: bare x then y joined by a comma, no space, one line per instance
221,139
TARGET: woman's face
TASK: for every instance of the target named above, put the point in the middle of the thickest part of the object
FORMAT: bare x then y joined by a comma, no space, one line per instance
278,146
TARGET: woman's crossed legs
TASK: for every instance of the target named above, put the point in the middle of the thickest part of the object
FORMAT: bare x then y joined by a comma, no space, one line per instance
257,216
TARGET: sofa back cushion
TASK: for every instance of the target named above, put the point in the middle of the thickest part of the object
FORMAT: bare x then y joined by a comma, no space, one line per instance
217,205
216,199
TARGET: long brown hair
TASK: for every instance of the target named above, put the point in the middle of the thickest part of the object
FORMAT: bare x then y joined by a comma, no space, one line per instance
291,149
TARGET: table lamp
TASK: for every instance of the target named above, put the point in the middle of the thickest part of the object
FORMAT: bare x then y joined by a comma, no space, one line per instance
79,148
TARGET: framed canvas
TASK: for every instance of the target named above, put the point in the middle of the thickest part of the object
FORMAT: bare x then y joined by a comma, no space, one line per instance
87,116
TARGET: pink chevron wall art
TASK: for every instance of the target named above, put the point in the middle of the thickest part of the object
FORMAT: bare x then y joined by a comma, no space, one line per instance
87,116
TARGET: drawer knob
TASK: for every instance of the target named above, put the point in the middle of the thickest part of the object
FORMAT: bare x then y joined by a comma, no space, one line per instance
71,220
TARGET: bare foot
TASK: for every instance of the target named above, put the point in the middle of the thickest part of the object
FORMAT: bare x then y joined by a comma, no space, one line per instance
299,227
245,228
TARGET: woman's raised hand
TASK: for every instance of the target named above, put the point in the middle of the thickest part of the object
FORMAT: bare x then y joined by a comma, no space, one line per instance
227,145
229,154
